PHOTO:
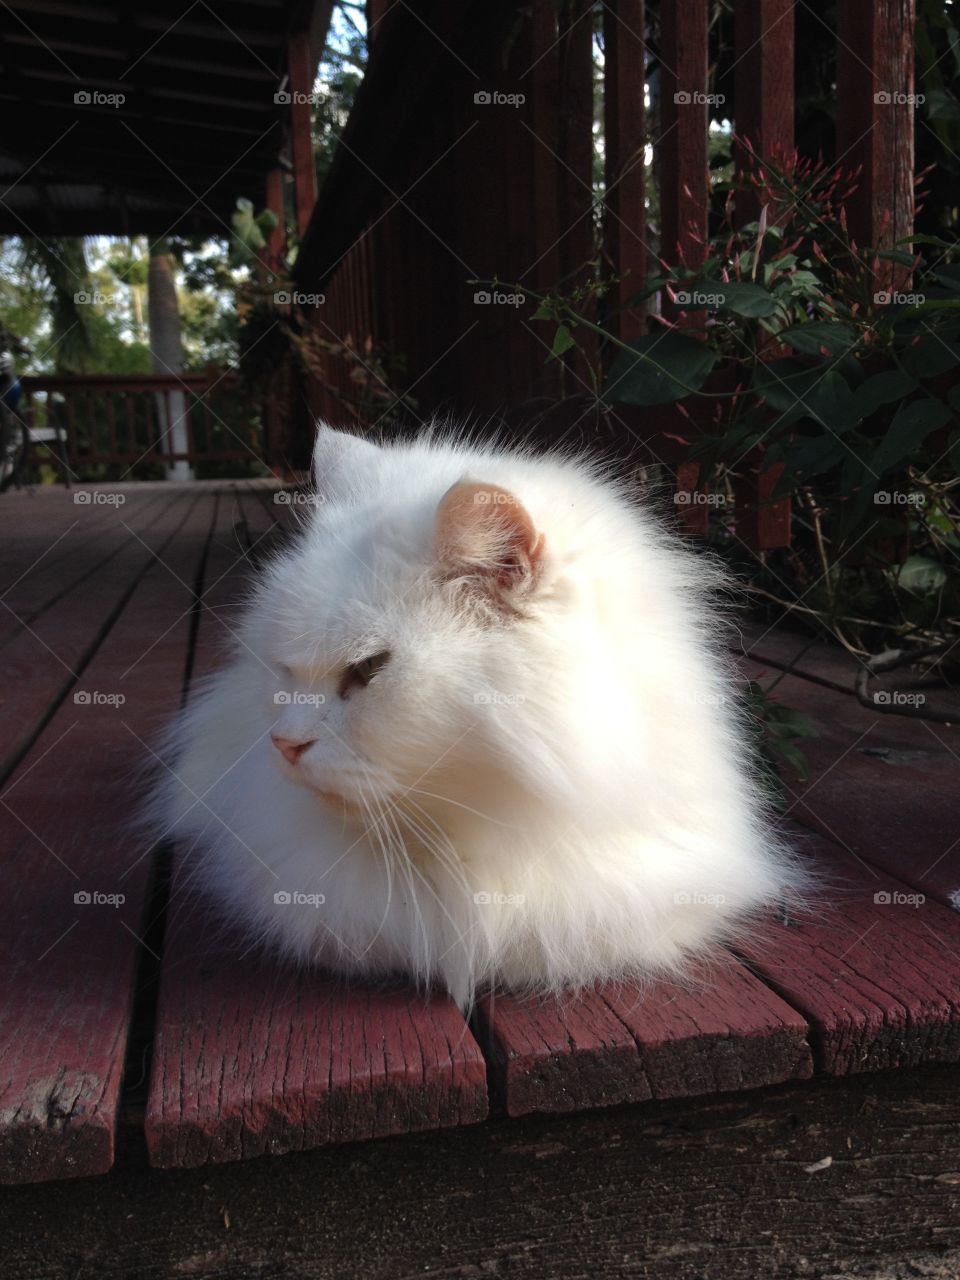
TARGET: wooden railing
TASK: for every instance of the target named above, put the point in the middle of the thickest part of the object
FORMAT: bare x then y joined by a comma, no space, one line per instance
434,186
138,421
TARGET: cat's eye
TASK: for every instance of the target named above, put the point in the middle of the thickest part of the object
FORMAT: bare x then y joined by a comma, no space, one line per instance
359,674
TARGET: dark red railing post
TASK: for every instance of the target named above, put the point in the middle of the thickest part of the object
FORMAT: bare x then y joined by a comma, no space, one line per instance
875,109
277,240
300,80
625,214
684,181
575,173
764,88
763,114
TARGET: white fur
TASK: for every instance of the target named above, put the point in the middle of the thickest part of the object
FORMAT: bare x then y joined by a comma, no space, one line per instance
551,794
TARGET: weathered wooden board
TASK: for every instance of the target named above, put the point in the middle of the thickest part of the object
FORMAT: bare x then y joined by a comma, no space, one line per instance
884,786
721,1030
43,662
802,655
251,1057
69,947
823,1179
875,968
56,543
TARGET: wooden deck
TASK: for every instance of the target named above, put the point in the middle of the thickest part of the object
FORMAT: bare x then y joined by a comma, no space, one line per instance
126,1018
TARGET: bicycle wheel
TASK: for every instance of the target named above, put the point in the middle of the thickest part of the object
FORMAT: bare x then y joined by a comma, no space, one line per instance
14,443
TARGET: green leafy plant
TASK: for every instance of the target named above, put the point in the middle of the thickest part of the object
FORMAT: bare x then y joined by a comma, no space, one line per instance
786,344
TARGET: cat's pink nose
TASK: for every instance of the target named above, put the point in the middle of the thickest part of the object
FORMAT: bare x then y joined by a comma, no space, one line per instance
290,750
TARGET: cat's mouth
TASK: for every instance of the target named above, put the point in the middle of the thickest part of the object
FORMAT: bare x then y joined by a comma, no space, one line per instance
334,800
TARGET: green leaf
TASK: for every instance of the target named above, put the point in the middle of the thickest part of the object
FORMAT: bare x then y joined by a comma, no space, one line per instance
890,255
911,425
563,340
663,367
882,388
806,457
545,311
740,297
941,105
652,286
799,392
920,575
948,276
929,357
934,240
836,336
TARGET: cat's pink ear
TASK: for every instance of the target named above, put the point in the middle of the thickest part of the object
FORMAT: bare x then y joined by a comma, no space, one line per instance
339,459
484,532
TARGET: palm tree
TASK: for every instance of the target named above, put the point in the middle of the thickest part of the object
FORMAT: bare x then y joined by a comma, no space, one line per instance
166,351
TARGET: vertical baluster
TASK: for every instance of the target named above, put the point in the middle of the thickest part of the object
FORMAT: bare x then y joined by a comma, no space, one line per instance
764,109
625,214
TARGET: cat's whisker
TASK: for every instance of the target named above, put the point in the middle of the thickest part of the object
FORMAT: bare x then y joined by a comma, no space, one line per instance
387,865
406,867
442,847
447,859
511,826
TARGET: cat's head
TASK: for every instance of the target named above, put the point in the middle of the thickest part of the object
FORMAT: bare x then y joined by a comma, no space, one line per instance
420,640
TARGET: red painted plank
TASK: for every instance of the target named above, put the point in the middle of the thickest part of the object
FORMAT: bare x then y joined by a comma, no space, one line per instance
808,656
883,786
71,541
67,966
40,664
252,1057
876,971
720,1031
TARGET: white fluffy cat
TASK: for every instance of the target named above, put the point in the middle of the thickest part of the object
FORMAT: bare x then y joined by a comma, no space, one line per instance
476,729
